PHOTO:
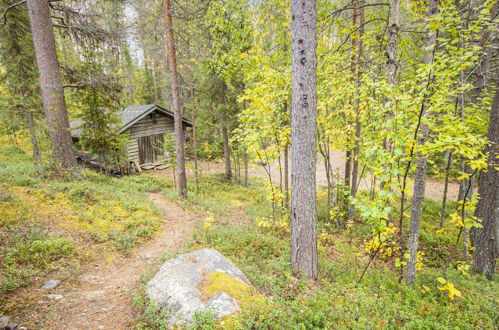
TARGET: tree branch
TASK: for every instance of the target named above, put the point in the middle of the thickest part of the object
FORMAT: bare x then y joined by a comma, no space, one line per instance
358,7
9,8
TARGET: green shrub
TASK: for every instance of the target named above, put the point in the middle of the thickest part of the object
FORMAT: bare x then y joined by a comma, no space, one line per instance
33,254
380,301
203,320
150,315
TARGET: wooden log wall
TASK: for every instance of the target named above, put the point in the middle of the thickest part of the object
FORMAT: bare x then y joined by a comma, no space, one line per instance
147,127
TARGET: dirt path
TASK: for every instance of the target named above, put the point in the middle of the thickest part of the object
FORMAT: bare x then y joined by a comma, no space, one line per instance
102,299
434,188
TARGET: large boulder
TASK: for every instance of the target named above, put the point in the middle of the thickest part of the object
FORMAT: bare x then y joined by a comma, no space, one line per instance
199,281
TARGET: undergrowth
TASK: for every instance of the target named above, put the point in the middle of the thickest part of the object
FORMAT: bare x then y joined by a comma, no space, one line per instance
217,196
46,219
381,300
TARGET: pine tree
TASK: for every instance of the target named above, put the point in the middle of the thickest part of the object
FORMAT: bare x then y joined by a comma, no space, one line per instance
303,139
54,103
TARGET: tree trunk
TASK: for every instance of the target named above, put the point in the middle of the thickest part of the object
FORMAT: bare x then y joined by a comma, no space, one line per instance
195,147
420,175
281,181
177,105
54,103
485,239
417,208
358,71
303,145
245,167
37,155
391,66
468,195
286,177
355,171
348,167
225,133
446,186
392,45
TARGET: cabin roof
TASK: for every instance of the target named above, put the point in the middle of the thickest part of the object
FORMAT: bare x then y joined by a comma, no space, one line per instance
128,117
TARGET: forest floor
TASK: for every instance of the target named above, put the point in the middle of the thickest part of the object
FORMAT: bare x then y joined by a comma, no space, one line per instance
434,188
104,237
103,299
100,295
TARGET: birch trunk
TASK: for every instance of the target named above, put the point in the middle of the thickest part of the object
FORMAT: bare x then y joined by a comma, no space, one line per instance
54,103
194,146
391,66
286,177
245,168
420,175
358,127
392,46
303,137
446,186
177,105
225,133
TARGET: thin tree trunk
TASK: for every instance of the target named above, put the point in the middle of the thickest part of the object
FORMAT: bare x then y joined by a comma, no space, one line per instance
54,103
446,187
467,198
324,151
420,175
245,167
325,155
358,127
391,65
349,163
174,177
34,140
237,167
487,210
348,167
303,148
392,44
281,181
195,147
225,133
286,177
177,104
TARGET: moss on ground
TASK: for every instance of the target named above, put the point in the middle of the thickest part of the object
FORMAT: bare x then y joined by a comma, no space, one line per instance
95,215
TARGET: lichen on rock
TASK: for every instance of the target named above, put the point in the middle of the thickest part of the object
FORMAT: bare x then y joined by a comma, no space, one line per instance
217,282
199,281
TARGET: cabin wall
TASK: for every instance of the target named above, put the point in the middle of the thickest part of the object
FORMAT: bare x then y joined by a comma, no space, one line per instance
146,127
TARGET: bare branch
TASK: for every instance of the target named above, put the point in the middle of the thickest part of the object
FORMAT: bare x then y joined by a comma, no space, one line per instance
336,12
9,8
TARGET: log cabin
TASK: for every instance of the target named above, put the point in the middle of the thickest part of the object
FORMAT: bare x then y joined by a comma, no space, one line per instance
146,127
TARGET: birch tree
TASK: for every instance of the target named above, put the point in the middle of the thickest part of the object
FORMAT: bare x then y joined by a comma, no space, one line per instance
421,163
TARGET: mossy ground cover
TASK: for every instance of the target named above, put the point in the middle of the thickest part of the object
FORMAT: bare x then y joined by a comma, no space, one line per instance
219,197
53,222
381,300
48,222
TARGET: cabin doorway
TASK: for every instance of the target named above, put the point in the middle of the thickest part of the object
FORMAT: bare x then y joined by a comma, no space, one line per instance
150,148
